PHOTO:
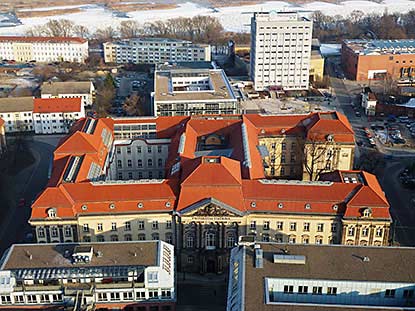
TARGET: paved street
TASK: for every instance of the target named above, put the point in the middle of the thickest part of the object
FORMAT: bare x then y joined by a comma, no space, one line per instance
28,183
401,199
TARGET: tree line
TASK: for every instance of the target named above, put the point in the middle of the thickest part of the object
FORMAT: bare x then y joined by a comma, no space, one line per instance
359,25
198,29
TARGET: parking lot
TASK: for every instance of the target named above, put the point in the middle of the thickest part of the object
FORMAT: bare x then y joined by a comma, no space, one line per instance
127,84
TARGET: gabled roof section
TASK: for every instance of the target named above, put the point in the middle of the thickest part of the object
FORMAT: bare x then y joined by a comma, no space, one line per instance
211,171
320,125
53,197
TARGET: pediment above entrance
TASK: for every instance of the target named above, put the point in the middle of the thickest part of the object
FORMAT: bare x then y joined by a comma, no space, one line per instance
211,208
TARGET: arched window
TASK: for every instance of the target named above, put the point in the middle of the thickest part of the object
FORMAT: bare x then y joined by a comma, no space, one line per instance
367,212
52,213
305,239
230,241
127,237
141,237
114,237
100,238
363,243
150,162
155,236
190,241
210,240
319,239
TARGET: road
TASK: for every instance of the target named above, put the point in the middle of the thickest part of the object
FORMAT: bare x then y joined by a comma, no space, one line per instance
28,183
402,207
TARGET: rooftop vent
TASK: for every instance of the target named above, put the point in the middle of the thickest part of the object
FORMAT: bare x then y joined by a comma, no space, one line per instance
140,205
289,259
259,257
82,254
253,204
335,207
280,205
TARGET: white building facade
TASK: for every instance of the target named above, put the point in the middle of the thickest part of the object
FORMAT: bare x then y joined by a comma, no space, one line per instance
44,49
280,50
70,89
17,113
100,275
154,51
56,115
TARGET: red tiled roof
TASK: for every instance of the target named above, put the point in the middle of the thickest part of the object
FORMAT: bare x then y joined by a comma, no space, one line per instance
51,105
230,180
42,39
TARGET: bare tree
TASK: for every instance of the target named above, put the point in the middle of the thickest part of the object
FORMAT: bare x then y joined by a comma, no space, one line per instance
81,31
133,105
107,33
318,155
129,29
59,28
105,95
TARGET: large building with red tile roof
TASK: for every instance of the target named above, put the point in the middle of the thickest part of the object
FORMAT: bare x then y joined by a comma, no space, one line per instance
202,182
43,49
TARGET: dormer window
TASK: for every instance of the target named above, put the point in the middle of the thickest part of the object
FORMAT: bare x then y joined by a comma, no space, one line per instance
330,137
367,212
52,213
307,206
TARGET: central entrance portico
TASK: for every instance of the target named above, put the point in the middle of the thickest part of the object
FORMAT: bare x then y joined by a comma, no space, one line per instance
207,230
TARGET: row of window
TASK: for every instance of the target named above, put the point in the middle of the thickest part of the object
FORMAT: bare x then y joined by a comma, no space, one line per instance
129,296
140,163
292,226
127,226
140,175
139,149
128,237
318,290
30,299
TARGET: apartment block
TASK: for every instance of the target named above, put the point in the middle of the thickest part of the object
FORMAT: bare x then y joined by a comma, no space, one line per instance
88,276
70,89
154,51
56,115
201,182
185,92
376,59
273,276
280,50
17,114
44,49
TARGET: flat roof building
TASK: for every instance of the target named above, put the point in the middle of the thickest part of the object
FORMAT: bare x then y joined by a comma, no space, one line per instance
44,49
374,59
272,277
154,51
280,50
88,276
182,91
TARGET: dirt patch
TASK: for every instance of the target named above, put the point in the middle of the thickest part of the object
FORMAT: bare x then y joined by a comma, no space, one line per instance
27,14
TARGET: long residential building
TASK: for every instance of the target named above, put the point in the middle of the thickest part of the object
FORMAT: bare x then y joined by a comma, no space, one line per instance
44,49
17,113
70,89
186,91
56,115
201,182
279,277
40,115
280,50
154,51
378,59
88,276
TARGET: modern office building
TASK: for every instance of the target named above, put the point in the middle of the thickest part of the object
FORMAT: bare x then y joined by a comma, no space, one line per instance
44,49
83,276
273,277
280,50
17,114
201,182
56,115
375,59
154,51
69,89
185,92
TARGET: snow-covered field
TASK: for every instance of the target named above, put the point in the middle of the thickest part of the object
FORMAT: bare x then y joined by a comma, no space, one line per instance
232,18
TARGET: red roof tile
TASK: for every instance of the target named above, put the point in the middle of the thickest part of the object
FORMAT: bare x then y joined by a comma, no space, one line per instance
42,39
51,105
